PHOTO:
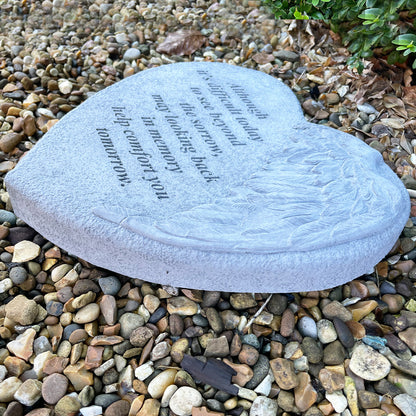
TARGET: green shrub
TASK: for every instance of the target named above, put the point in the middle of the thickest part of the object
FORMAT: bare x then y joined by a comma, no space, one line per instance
363,24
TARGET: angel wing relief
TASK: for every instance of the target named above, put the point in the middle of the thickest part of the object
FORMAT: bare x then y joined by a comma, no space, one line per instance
312,193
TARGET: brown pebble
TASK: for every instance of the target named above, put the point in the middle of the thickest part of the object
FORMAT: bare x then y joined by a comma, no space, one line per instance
361,309
288,323
331,380
140,336
54,388
248,355
108,309
139,386
409,337
67,406
358,289
9,141
284,373
305,394
146,351
261,331
118,408
4,232
203,411
111,329
94,357
14,409
395,302
15,366
79,335
29,126
106,340
55,365
235,346
240,301
357,329
40,412
150,408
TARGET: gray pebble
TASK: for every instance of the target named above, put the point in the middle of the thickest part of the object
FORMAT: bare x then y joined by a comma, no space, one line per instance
68,330
129,322
287,56
250,339
105,400
334,117
260,370
6,257
41,344
367,108
131,54
307,327
7,216
18,275
109,285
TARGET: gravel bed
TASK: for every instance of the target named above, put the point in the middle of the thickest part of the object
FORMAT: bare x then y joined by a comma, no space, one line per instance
79,340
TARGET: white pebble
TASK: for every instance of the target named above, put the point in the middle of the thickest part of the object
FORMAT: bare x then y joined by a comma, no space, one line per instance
167,395
5,285
326,331
338,401
263,406
91,411
265,386
144,371
184,399
246,393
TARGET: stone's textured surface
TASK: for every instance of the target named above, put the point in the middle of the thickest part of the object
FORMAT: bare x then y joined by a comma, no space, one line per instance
8,388
406,403
25,251
369,364
22,346
409,337
159,384
67,406
54,388
184,399
191,184
182,306
305,394
22,310
284,373
29,392
263,406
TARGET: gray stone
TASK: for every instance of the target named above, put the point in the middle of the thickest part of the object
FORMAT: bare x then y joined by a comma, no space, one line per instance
129,322
190,174
284,55
131,54
18,275
406,404
109,285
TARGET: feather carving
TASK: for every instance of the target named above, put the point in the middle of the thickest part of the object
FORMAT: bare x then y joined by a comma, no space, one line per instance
308,195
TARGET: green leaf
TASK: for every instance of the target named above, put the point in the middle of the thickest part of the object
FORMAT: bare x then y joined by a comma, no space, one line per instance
371,14
298,15
393,57
370,3
315,2
405,39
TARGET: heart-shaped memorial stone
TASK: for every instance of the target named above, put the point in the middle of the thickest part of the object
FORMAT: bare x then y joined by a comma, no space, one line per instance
206,175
